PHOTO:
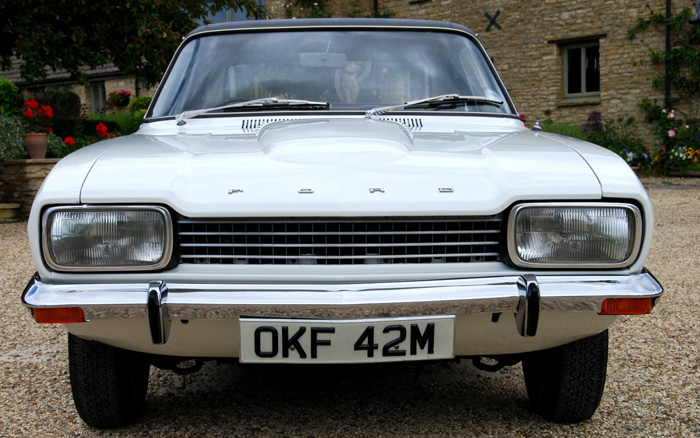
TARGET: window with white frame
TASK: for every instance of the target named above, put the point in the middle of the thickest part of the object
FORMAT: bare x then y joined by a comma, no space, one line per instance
581,69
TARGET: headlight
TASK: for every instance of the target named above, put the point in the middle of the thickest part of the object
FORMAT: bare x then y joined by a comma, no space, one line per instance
130,238
574,235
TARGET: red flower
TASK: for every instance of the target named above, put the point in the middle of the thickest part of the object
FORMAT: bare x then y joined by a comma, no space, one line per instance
50,129
69,141
38,118
119,97
102,130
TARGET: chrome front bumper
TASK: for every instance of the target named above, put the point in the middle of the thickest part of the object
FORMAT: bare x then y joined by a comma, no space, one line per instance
524,296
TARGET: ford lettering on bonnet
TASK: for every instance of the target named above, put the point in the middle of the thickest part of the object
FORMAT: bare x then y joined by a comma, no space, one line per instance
367,194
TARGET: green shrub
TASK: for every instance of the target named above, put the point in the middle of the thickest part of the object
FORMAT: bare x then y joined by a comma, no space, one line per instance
618,135
12,139
65,127
54,147
9,98
137,109
64,101
59,147
137,119
568,129
120,124
139,103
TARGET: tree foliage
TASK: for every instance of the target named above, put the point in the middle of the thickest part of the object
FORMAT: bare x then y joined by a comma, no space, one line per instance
138,36
683,59
677,133
9,93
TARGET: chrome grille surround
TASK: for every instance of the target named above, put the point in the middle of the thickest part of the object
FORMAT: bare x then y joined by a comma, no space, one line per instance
335,241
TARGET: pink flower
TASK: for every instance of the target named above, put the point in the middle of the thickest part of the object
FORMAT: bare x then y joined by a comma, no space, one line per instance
672,115
671,133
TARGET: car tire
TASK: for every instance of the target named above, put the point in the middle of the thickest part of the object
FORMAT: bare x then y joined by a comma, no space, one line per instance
565,384
109,384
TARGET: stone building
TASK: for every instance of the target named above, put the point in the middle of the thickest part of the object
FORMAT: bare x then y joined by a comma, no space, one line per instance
101,81
559,59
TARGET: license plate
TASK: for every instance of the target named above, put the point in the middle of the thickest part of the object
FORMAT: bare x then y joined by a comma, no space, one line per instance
346,341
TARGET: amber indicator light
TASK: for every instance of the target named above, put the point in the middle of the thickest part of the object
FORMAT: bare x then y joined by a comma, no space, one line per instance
626,306
59,315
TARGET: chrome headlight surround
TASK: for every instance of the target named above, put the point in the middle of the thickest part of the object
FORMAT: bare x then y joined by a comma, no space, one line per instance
576,227
99,236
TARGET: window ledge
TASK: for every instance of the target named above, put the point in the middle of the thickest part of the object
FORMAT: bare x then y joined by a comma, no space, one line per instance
579,102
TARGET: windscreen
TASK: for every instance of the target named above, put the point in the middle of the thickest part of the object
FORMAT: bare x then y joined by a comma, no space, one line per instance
349,70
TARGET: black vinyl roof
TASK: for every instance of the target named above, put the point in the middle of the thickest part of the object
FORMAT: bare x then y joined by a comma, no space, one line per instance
330,22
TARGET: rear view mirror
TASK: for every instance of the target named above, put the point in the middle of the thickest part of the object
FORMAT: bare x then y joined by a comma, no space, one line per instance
322,59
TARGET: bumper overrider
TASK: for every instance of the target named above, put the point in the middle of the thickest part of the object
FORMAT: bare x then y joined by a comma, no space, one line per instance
547,310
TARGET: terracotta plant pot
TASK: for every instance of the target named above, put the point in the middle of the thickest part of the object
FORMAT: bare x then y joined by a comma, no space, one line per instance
36,144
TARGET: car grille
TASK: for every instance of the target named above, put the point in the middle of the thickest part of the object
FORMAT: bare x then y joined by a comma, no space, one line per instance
335,241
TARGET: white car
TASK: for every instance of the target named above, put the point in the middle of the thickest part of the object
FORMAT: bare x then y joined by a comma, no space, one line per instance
338,191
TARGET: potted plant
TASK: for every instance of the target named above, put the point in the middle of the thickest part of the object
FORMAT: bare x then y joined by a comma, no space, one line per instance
38,119
119,98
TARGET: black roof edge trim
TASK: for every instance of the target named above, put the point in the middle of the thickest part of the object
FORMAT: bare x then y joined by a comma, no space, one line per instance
329,22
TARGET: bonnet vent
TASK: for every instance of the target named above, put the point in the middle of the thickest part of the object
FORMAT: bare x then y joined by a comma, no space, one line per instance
410,123
252,126
255,125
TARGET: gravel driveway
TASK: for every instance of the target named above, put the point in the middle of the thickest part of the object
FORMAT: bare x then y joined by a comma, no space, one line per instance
653,386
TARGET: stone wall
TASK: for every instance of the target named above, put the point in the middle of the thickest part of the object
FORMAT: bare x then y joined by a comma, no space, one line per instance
526,54
21,179
84,92
526,50
127,83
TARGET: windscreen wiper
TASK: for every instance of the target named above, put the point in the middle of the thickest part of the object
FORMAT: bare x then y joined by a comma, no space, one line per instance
266,102
444,98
